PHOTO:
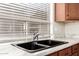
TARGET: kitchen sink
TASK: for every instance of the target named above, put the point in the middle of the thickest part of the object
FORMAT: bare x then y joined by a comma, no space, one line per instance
38,45
30,46
51,43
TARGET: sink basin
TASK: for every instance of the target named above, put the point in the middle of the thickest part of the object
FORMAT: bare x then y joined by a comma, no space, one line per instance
30,47
51,43
38,45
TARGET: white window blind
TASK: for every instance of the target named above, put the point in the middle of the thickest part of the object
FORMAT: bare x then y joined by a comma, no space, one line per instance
12,27
22,10
42,28
38,27
13,19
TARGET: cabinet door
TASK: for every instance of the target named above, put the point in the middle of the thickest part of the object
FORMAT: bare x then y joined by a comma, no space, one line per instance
75,54
60,12
72,11
65,52
78,49
75,49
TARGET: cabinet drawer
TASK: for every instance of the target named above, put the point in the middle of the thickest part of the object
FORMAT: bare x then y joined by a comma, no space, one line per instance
74,48
53,54
65,52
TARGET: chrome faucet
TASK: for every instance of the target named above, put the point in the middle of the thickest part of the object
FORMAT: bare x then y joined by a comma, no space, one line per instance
35,36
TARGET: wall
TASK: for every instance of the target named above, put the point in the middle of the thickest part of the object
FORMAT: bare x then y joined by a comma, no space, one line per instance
67,30
72,30
59,30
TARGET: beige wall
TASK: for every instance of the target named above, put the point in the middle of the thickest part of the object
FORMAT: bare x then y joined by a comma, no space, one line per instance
59,30
67,30
72,29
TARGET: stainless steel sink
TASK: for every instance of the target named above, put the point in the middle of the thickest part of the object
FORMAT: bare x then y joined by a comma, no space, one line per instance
38,45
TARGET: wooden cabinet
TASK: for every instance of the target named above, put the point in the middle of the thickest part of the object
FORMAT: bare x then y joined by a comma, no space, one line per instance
60,12
70,51
75,54
75,48
78,50
73,11
67,11
65,52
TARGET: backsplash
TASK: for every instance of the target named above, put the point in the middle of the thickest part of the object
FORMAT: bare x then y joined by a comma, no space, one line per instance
67,30
59,30
72,29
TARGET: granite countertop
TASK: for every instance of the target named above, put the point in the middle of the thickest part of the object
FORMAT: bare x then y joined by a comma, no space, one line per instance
8,49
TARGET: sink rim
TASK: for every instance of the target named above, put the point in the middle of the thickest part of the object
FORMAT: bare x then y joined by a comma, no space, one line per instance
37,50
55,41
31,51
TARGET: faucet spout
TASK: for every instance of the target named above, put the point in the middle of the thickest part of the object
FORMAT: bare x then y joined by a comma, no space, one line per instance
35,36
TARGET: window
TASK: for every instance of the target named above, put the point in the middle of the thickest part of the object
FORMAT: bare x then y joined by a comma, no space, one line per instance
42,28
23,19
12,27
